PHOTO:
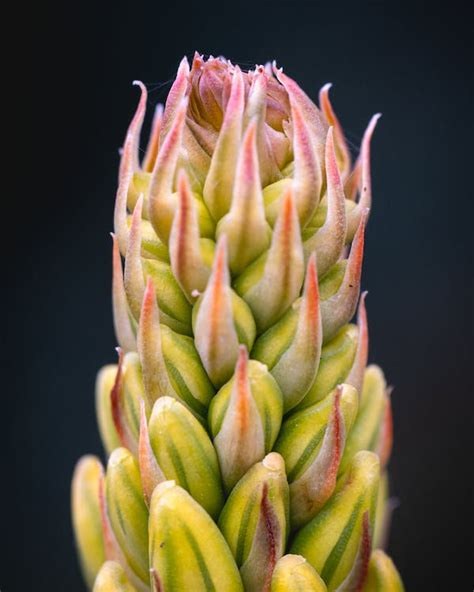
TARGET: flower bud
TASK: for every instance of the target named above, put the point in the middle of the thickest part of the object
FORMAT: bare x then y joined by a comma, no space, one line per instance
340,287
161,205
112,578
307,173
127,511
123,324
129,165
187,249
310,113
293,573
312,441
305,170
133,270
245,418
217,190
103,388
248,233
181,530
256,110
86,516
170,362
291,349
162,200
187,376
124,401
221,320
194,155
383,575
244,323
328,241
337,357
133,392
174,306
337,540
273,282
150,471
369,431
184,453
254,521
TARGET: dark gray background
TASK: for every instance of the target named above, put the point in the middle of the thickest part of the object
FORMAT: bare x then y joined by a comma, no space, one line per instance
412,65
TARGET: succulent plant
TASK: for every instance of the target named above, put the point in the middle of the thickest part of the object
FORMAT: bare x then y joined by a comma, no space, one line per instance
246,437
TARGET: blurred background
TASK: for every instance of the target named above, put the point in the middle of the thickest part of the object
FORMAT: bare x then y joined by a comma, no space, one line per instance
412,65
